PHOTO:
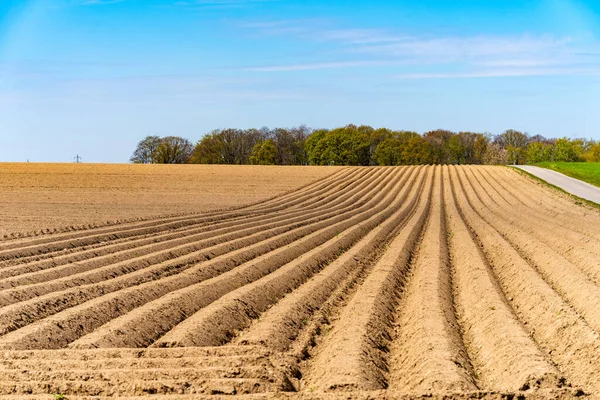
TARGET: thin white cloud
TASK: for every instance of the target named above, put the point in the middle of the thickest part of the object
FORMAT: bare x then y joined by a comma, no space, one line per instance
471,49
326,65
95,2
503,73
219,4
320,30
524,54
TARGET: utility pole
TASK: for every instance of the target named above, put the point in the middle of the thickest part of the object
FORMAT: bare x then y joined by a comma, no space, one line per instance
77,159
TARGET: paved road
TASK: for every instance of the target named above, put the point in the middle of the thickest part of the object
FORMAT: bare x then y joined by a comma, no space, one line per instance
571,185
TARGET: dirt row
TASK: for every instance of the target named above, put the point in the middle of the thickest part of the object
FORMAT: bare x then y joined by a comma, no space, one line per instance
34,246
55,300
465,282
45,199
155,252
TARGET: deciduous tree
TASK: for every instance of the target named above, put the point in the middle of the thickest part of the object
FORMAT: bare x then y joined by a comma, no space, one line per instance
438,145
264,153
593,153
173,150
145,150
209,150
515,144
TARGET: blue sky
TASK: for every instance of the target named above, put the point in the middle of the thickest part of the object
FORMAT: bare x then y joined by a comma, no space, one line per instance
93,77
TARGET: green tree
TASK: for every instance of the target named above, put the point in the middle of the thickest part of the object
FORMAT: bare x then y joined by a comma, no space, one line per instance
467,148
482,141
455,148
403,148
539,152
264,153
567,150
438,144
209,150
416,151
388,152
593,153
341,146
346,146
314,147
376,137
246,140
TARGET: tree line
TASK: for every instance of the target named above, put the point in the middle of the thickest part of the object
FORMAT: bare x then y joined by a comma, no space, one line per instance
362,145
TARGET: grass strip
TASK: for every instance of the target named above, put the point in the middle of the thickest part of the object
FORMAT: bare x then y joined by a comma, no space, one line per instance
584,171
577,200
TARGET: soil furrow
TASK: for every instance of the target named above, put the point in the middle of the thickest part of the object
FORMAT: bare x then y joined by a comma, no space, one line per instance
206,327
427,352
352,356
44,245
255,216
21,237
136,249
280,325
147,374
570,227
78,321
74,254
302,195
67,232
208,225
134,363
574,247
374,282
542,206
133,354
173,260
565,278
557,206
146,324
118,388
565,337
504,356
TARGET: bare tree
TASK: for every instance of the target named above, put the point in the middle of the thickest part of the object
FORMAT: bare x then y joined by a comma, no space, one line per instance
515,143
173,150
145,149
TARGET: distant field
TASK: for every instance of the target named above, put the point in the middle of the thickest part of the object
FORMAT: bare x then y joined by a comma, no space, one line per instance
587,172
36,196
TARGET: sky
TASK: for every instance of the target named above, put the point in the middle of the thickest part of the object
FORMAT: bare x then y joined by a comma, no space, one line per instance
93,77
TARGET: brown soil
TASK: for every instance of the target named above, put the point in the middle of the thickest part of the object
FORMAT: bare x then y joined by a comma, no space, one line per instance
369,283
36,198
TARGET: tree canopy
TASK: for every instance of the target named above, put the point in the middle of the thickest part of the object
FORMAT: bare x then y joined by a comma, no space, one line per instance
162,150
361,146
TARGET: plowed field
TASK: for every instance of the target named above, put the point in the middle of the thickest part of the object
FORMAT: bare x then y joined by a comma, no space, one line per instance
443,282
38,198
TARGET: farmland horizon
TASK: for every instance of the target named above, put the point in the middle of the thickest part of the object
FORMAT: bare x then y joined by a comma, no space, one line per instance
93,77
266,133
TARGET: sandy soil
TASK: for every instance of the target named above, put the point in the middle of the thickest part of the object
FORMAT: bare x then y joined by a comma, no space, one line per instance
405,282
37,197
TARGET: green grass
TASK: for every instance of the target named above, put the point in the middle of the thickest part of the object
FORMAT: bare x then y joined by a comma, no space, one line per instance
585,171
577,200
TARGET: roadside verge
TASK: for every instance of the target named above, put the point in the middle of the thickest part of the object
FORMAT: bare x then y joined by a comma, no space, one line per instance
572,186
